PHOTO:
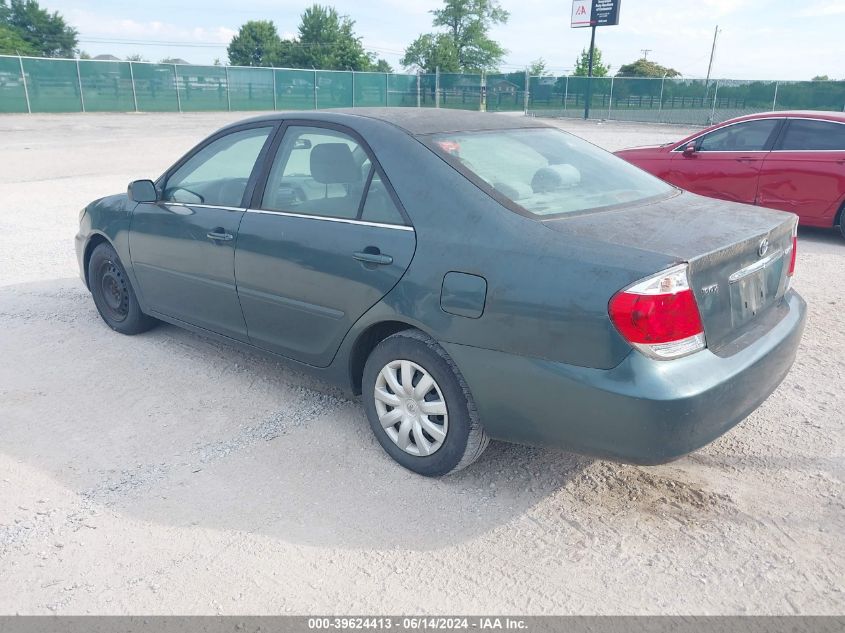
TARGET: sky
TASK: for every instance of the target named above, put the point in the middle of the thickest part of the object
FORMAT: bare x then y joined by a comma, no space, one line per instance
758,39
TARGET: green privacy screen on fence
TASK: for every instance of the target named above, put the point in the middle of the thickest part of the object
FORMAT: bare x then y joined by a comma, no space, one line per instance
67,85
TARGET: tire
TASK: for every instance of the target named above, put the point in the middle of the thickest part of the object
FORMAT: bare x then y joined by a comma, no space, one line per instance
113,293
435,444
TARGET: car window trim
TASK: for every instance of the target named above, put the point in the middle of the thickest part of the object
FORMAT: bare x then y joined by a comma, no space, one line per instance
363,201
769,142
274,126
329,218
272,150
778,147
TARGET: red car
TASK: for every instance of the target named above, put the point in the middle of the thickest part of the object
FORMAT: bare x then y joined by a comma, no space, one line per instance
793,161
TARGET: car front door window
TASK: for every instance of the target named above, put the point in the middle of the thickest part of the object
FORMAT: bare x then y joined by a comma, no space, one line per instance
218,174
750,136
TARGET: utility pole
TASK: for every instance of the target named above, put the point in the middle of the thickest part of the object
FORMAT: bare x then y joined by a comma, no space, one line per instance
710,65
590,74
645,52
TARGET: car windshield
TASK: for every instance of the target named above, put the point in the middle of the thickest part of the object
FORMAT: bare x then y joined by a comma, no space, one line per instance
547,171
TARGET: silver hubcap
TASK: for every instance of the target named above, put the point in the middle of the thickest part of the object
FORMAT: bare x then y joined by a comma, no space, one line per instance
411,408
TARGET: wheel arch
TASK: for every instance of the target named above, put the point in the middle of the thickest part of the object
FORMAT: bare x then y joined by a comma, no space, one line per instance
93,242
366,342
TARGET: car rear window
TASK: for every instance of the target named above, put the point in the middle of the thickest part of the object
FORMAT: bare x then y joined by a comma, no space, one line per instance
545,171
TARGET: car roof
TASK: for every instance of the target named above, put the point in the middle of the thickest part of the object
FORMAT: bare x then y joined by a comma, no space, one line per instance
414,120
804,114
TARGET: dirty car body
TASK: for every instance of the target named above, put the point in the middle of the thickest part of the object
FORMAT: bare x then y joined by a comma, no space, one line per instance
619,318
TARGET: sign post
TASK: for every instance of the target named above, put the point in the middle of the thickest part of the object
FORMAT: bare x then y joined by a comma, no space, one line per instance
593,13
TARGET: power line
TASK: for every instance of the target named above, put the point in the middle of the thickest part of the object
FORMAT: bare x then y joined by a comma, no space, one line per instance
134,42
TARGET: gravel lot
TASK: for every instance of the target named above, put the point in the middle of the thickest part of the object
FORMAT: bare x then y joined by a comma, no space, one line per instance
165,473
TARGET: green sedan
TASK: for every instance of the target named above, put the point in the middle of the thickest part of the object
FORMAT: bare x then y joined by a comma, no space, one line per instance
472,276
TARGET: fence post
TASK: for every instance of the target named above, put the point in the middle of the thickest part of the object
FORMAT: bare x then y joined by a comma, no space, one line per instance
713,111
228,92
566,93
437,86
660,105
79,81
775,98
386,89
481,90
525,98
353,87
176,84
315,88
132,81
25,88
418,89
275,107
610,99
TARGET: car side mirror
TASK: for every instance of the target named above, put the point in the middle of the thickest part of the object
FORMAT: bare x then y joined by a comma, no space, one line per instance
689,150
142,191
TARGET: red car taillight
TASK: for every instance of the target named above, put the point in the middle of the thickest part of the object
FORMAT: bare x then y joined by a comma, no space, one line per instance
659,315
791,270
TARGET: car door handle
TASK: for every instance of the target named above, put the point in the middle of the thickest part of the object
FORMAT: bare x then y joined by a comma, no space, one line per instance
219,235
746,159
373,258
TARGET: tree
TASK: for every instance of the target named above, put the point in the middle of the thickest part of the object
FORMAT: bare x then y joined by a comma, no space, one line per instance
582,64
45,34
537,68
135,57
431,51
382,66
326,40
646,68
821,78
466,39
11,43
256,44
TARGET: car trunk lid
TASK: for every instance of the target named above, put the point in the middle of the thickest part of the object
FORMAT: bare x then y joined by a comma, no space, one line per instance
738,255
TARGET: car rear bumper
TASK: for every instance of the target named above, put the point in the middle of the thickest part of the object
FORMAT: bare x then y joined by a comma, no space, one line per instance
642,411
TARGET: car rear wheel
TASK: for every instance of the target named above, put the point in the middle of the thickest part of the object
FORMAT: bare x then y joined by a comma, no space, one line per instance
419,407
113,294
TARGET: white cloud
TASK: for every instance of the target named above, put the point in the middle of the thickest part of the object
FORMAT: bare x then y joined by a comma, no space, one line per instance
822,9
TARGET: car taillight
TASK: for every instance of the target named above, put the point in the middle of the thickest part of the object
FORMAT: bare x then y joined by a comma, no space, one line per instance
792,257
659,315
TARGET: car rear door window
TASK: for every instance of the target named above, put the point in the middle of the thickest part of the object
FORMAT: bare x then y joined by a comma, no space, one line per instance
218,173
750,136
317,171
804,135
379,205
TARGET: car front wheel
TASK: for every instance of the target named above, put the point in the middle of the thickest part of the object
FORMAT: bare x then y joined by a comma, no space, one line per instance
113,294
419,406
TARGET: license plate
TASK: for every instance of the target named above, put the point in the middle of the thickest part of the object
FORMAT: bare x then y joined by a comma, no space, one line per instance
749,296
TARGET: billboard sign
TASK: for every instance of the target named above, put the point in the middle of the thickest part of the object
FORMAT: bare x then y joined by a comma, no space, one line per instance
595,13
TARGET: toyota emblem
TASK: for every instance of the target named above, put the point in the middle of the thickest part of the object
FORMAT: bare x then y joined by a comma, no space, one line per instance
763,248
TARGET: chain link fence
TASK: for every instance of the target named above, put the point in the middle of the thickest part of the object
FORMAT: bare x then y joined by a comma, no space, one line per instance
30,84
685,101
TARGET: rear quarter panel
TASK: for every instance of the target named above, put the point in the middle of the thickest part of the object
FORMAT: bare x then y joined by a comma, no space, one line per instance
547,292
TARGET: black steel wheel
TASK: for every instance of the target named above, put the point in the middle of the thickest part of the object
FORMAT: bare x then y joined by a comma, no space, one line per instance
113,294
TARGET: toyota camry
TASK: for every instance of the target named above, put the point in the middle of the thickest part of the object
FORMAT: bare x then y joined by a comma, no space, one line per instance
471,276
